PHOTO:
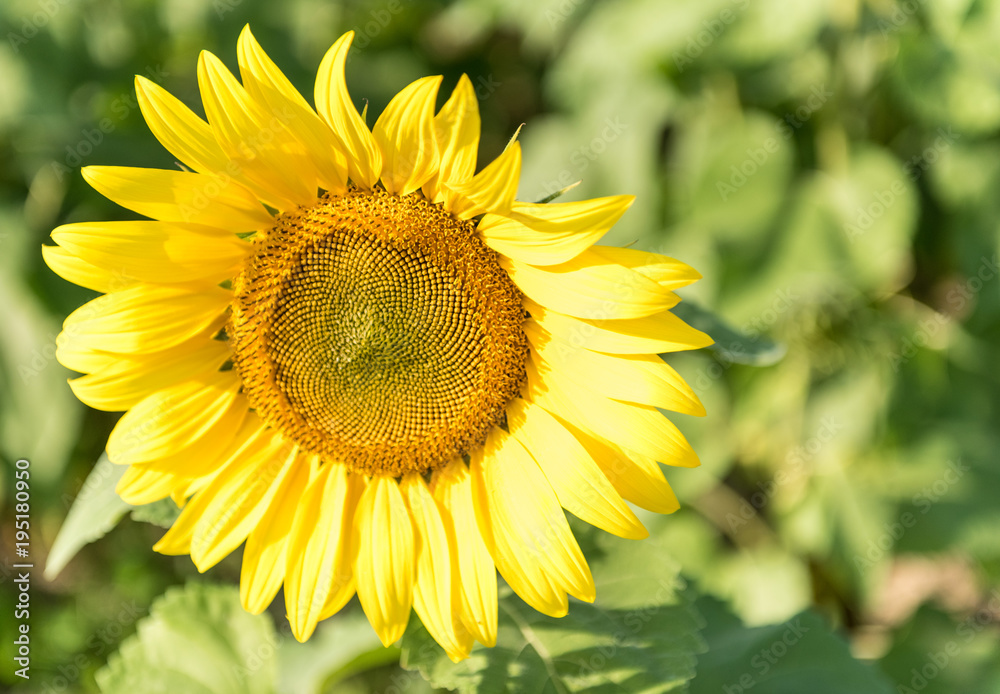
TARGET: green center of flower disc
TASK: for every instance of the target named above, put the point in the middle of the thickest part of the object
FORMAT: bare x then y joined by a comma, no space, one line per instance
378,331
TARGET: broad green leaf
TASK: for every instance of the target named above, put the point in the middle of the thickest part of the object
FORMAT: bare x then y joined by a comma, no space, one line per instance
95,511
341,647
731,346
800,655
640,636
198,640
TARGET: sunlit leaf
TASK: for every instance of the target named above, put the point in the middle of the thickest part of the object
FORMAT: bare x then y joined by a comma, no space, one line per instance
95,511
197,639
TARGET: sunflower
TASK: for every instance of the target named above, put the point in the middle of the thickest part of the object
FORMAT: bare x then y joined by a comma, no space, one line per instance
346,348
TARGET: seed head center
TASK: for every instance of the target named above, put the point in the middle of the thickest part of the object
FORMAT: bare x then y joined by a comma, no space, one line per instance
378,331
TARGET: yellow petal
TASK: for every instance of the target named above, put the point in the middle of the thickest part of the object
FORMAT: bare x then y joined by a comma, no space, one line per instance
257,141
240,502
178,129
492,189
525,529
180,196
638,428
76,355
78,271
157,252
436,595
661,332
641,378
265,553
203,460
172,419
364,160
579,484
457,129
272,90
140,485
125,380
320,555
144,319
191,139
667,272
452,489
590,287
405,135
637,478
386,561
553,233
219,471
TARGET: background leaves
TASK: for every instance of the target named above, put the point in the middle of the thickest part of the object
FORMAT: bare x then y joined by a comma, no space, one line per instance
830,168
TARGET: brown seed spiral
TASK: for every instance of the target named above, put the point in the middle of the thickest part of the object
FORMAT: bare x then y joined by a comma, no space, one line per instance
378,331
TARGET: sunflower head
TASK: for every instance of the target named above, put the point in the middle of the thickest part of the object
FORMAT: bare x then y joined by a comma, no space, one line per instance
379,331
346,348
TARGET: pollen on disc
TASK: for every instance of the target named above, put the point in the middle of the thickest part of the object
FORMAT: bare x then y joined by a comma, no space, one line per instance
378,331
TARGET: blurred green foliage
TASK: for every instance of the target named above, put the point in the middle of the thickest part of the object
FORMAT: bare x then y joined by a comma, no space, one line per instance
830,166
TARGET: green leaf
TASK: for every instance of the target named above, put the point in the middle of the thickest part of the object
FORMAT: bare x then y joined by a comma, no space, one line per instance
162,513
39,417
800,655
731,346
341,647
198,640
95,511
640,636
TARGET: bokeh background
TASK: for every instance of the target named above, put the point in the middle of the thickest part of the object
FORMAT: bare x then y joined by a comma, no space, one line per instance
830,166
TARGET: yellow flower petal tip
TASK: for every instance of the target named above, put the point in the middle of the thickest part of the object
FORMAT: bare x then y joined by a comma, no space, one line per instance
417,316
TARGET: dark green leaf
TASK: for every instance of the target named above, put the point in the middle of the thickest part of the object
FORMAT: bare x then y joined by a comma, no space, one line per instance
800,655
731,346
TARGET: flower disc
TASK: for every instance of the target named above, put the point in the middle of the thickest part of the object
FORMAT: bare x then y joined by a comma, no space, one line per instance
378,331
